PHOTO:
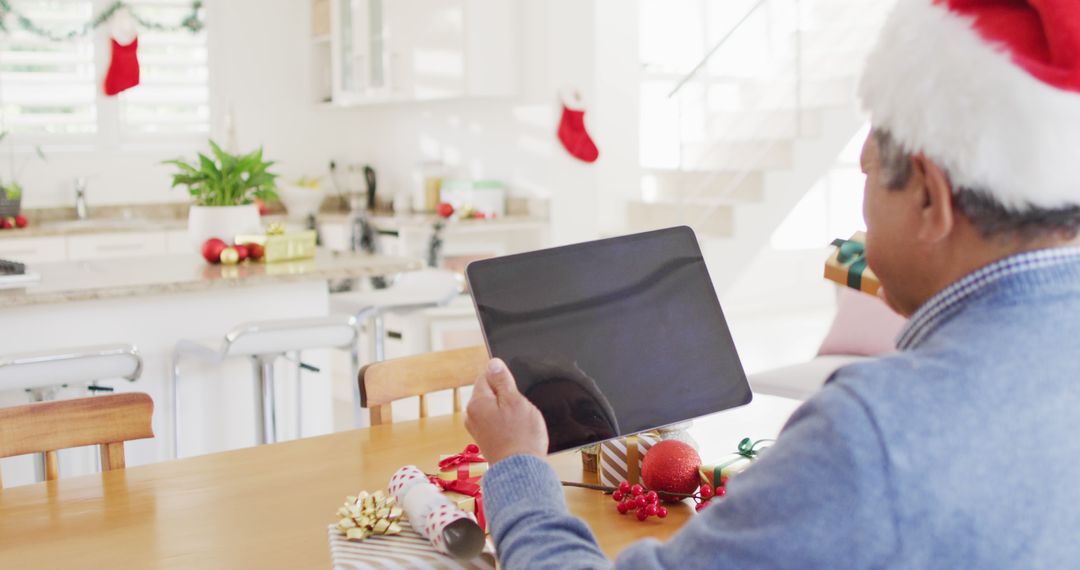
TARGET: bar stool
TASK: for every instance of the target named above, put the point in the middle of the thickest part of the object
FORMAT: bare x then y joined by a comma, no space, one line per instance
264,342
411,291
42,373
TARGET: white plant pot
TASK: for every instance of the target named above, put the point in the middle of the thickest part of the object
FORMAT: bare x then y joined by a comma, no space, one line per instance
223,222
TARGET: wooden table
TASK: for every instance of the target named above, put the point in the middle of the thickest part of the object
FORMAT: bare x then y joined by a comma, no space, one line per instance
268,507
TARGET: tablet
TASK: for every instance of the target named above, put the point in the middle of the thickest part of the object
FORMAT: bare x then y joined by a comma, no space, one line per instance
611,337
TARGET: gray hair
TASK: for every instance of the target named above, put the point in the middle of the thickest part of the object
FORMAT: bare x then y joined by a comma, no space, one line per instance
990,217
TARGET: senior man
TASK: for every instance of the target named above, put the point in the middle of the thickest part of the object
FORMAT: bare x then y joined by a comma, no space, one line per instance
958,451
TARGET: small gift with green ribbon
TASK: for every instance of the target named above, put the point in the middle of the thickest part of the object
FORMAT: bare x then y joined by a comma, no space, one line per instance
848,265
717,475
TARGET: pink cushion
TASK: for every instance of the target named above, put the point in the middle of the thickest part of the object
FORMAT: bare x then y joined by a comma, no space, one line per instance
864,326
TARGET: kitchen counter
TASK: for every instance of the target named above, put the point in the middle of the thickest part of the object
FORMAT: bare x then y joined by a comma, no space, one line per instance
383,221
181,273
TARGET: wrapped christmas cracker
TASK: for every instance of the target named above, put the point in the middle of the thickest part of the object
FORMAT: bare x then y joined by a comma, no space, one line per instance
848,265
620,459
450,529
467,465
717,474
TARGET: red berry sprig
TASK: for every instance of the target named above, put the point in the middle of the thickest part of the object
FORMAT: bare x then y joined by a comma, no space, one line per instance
707,493
635,498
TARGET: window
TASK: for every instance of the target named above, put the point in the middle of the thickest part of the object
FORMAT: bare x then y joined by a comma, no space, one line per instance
832,208
51,91
46,87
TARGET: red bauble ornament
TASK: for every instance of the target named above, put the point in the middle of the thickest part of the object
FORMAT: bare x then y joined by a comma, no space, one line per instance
211,250
241,252
445,210
255,251
671,466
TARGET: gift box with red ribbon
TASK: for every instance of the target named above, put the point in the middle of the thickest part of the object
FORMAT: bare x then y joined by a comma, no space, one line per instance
468,465
465,494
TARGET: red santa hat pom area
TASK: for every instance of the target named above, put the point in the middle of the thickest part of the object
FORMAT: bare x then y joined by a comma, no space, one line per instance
989,89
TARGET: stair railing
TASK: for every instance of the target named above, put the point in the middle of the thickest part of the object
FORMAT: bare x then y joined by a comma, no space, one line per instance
791,69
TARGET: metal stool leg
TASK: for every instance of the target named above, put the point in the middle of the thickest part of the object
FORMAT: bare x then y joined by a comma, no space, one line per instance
299,396
174,381
378,333
358,410
265,418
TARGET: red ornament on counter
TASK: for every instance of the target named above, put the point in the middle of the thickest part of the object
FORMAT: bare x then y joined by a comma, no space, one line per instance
21,221
671,466
255,251
241,252
445,210
211,250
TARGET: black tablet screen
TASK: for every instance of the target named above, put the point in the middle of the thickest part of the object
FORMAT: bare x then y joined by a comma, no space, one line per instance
611,337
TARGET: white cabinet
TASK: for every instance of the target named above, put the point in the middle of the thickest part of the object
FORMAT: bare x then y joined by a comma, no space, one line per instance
34,250
114,245
415,50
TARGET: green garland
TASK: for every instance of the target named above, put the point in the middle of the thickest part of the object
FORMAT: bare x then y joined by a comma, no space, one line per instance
192,22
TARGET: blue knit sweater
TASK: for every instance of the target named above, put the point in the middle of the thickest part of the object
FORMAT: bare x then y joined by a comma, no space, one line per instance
958,452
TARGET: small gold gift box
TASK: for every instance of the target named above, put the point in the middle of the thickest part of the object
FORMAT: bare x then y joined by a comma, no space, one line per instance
283,246
463,471
847,265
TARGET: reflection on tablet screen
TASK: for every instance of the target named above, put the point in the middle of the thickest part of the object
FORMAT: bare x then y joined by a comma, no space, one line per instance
611,337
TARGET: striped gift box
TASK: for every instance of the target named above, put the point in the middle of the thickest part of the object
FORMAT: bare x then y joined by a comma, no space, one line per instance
620,459
405,550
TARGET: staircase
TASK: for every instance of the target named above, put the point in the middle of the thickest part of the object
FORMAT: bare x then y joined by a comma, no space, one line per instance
760,119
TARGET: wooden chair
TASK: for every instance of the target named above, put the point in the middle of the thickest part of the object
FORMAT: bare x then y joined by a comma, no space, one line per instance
382,383
46,427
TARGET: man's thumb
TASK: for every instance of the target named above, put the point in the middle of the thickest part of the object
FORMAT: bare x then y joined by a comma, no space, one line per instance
499,378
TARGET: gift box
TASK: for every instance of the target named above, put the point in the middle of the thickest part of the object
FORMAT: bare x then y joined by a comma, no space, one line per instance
464,493
620,459
279,245
847,266
717,474
467,465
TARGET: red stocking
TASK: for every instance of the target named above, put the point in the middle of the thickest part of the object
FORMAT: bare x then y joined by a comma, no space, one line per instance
123,71
574,137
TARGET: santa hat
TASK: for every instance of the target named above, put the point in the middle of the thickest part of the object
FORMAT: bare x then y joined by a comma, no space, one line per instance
988,89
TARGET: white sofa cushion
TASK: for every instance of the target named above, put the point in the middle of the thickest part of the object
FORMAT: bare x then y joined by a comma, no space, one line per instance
800,381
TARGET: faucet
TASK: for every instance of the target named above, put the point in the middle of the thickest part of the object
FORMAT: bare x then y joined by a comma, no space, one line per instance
80,199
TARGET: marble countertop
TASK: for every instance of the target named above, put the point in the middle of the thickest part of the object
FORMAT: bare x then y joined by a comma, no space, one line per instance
106,225
167,274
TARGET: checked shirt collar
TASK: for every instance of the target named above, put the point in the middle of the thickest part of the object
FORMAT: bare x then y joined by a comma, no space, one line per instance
947,302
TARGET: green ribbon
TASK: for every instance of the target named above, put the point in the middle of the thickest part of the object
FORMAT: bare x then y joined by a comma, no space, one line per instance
748,450
853,255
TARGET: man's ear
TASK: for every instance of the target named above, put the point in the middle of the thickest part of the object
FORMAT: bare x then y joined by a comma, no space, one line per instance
936,215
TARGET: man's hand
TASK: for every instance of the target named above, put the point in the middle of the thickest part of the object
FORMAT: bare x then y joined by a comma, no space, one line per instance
501,420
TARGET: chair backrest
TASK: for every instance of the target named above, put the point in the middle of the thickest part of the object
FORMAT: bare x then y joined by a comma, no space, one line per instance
384,382
46,427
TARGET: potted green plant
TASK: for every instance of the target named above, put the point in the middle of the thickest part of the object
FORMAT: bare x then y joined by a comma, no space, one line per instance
11,192
224,189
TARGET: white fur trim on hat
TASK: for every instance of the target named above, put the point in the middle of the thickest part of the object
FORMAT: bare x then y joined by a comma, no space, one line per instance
939,88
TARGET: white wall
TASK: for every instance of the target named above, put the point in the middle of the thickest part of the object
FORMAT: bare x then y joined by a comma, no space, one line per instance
259,67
